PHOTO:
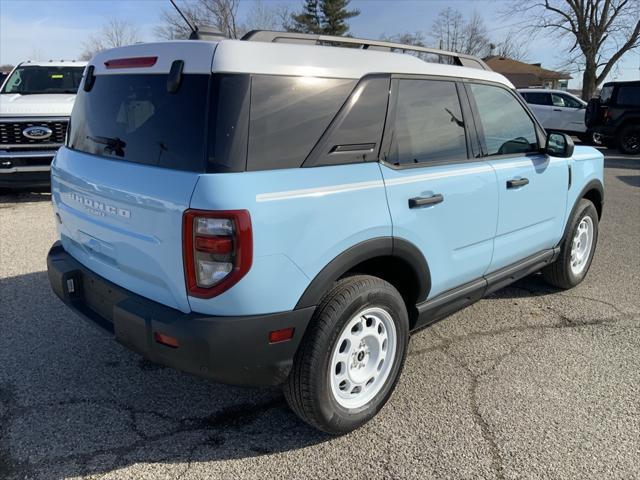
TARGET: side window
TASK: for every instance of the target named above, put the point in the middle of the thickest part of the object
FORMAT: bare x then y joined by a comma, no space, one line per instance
428,123
289,115
507,128
569,101
605,93
629,95
354,134
558,100
537,98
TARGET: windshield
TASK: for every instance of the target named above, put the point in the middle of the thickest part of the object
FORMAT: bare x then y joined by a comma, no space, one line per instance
133,118
30,79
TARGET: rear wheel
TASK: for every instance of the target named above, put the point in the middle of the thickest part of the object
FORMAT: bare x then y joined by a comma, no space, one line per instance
628,139
351,355
576,250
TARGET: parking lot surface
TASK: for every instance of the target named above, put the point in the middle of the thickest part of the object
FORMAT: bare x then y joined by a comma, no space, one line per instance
530,382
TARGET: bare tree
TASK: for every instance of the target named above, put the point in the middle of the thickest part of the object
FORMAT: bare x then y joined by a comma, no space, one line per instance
221,14
173,26
407,38
600,32
224,14
115,33
475,37
451,31
511,46
447,30
262,16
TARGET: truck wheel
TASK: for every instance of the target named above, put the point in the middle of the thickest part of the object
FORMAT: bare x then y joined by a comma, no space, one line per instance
576,250
351,355
629,139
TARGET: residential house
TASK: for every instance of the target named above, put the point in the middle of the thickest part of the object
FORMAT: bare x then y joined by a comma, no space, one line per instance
528,75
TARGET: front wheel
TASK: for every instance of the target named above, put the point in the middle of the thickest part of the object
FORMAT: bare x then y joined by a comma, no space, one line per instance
576,250
351,355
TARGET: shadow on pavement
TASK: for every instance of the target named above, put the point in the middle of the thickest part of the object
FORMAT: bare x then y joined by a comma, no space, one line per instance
73,402
20,196
622,162
632,180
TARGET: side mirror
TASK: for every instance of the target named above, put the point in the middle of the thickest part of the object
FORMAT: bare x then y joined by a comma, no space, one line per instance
559,145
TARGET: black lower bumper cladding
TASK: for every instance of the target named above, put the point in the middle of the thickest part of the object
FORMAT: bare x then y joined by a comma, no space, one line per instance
233,350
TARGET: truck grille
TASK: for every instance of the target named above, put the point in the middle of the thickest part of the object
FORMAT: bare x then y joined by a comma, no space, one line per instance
11,132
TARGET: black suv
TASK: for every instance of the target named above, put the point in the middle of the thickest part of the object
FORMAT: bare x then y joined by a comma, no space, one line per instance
614,117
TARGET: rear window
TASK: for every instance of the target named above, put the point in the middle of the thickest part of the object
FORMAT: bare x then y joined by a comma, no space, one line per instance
134,118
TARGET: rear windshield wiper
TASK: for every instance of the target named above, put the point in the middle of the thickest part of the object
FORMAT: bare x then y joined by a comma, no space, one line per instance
112,145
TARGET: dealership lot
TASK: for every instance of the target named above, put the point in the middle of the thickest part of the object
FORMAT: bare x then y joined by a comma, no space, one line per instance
528,383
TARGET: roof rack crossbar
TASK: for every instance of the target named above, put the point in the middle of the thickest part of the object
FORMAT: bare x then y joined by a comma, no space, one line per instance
460,59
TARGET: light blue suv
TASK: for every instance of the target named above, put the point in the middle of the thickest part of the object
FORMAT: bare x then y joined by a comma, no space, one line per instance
263,212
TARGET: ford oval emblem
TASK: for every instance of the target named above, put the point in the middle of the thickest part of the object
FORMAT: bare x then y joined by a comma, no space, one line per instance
37,133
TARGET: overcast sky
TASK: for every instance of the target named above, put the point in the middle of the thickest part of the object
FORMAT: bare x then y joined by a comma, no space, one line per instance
52,29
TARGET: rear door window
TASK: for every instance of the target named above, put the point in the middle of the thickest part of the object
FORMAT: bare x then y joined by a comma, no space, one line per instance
428,125
537,98
134,118
506,126
289,115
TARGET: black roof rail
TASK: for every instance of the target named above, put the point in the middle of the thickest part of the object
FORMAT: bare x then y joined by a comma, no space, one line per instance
269,36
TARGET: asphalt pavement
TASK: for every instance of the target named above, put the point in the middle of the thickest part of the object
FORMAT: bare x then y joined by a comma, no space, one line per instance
530,382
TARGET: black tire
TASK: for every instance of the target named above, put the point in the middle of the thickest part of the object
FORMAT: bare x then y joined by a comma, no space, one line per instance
559,274
585,138
628,139
308,388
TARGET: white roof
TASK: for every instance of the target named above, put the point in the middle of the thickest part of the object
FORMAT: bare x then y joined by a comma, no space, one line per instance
54,63
239,56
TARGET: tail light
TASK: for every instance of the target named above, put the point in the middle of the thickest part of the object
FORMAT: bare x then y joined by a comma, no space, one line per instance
217,248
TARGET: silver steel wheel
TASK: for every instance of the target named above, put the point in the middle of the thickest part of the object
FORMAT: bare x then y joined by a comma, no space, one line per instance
581,246
362,357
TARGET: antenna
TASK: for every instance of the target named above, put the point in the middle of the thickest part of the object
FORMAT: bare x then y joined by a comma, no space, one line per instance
194,29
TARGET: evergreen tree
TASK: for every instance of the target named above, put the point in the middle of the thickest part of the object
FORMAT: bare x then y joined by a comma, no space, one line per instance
323,16
335,16
309,20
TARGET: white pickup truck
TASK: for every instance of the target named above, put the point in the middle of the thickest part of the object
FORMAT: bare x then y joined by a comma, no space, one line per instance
35,104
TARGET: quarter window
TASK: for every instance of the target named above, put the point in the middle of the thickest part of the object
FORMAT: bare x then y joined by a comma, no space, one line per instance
428,123
289,115
507,128
354,134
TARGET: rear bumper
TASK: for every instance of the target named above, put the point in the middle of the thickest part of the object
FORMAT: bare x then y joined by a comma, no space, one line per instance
20,169
232,350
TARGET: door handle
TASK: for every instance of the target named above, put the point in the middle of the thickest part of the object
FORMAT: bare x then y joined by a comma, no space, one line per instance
517,182
418,202
557,109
